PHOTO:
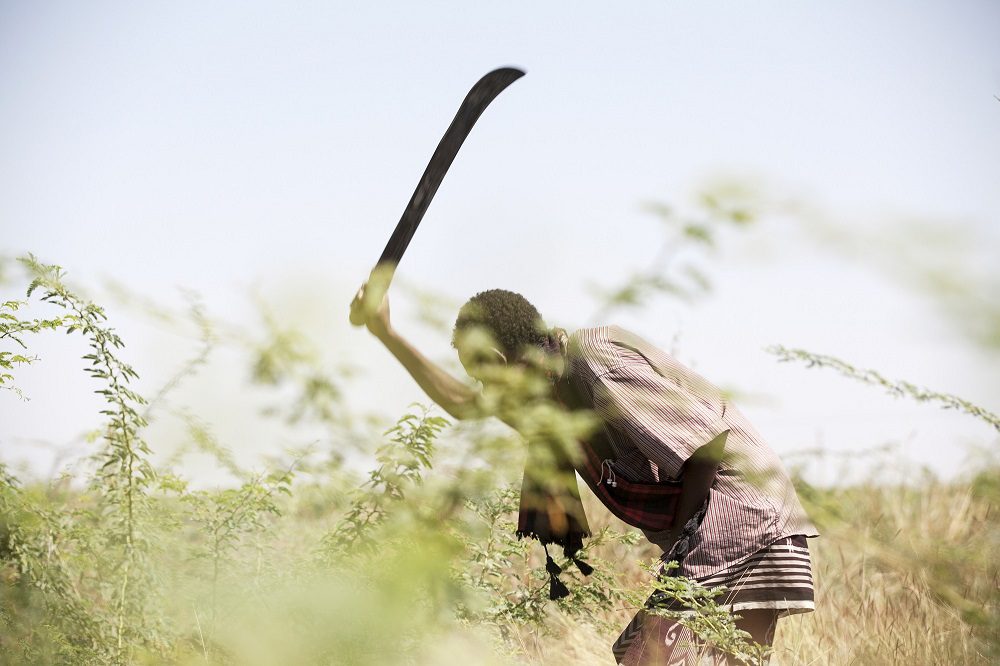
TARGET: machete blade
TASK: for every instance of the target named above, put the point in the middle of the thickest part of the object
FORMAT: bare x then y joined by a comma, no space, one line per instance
475,102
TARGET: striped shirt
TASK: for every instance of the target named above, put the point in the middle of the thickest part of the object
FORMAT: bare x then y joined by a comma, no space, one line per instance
656,413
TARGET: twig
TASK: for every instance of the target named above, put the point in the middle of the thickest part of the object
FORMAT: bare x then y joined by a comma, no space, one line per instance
895,388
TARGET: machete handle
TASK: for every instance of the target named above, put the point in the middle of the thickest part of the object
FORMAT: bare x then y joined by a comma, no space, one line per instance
371,293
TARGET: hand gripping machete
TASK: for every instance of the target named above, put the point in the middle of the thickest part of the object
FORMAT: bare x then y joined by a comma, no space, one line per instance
479,97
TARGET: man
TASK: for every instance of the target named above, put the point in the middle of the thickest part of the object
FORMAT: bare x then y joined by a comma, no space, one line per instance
671,456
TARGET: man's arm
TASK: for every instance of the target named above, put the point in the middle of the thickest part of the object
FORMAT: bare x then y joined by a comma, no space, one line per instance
697,476
452,395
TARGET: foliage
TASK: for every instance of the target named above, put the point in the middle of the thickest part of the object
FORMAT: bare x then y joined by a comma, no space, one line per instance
124,473
409,451
286,359
493,560
674,270
417,561
12,328
228,516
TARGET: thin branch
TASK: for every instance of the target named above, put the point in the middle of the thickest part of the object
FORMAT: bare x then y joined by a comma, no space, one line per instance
898,388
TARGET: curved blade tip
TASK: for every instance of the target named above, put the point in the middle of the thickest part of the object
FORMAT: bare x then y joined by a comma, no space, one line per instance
516,72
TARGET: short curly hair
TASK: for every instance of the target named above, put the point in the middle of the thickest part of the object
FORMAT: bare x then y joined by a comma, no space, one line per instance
508,316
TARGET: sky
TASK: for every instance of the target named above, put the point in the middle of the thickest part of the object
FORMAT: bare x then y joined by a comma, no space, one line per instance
241,148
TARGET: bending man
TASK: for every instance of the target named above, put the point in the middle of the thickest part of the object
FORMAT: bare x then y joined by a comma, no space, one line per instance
656,461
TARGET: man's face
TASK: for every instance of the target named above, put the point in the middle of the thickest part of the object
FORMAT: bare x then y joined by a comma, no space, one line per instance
524,378
479,354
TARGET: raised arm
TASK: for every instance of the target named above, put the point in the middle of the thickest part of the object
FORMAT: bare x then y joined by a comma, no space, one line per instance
454,397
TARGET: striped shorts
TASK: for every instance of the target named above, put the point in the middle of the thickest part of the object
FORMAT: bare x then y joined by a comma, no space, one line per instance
777,577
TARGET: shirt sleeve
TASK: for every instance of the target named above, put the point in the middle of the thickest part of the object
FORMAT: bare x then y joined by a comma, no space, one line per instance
665,422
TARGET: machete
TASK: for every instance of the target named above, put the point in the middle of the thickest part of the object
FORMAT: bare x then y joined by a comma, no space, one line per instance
479,97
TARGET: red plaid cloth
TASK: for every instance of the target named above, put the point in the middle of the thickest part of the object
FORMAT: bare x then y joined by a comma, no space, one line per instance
648,506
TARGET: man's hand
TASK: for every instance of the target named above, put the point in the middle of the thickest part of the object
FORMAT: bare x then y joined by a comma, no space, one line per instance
697,476
371,298
377,321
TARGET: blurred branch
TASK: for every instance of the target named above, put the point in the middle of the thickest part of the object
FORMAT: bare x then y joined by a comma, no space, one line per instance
208,339
727,203
432,309
950,262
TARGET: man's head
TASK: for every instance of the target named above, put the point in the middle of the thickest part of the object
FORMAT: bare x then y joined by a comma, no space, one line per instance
497,326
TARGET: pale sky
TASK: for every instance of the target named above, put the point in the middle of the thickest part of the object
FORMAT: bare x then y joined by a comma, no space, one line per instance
220,147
